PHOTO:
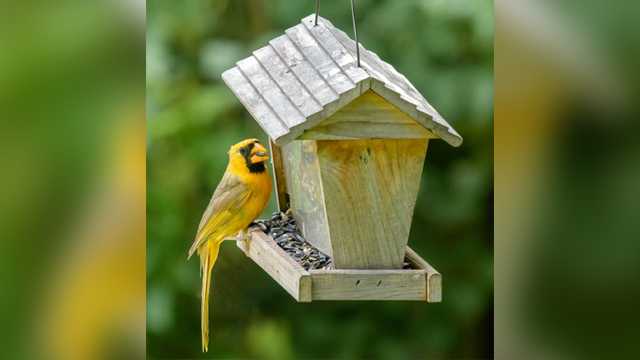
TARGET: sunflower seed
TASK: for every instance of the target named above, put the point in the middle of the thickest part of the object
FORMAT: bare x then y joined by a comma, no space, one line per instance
284,231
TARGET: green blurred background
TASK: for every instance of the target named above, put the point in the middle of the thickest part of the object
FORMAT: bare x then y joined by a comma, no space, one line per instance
446,50
72,209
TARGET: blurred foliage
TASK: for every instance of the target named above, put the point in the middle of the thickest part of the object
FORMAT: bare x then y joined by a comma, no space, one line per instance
71,149
567,250
446,49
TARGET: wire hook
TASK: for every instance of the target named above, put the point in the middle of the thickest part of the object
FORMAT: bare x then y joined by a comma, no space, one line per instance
317,12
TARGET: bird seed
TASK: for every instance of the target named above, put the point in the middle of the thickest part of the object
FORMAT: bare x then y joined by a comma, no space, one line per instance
284,231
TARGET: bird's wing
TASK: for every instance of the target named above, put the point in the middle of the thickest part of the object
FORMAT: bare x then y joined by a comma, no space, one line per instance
228,199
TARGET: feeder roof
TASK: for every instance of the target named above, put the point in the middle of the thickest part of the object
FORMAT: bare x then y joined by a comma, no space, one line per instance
310,72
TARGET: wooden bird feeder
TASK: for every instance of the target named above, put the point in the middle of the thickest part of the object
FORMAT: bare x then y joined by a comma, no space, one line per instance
348,146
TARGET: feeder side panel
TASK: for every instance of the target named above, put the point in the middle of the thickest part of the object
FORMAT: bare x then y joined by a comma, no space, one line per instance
282,196
302,171
370,189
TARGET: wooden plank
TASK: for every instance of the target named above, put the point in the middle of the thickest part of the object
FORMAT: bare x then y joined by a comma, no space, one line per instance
282,196
254,103
370,188
434,279
368,285
394,97
336,50
369,107
278,101
280,266
327,112
287,81
393,77
368,117
365,130
319,59
304,71
304,185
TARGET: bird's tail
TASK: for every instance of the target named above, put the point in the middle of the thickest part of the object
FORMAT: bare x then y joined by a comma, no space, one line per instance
208,256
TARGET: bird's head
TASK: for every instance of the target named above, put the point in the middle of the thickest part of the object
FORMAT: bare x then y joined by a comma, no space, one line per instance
250,152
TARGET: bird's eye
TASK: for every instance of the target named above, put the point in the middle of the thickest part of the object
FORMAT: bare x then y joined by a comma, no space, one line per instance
244,151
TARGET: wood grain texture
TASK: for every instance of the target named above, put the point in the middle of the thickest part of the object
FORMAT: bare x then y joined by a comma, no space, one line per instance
368,117
253,102
304,185
271,92
370,188
282,196
304,71
337,51
368,285
370,108
319,59
278,264
287,81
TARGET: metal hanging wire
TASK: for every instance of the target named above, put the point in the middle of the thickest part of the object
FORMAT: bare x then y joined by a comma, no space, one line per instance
355,28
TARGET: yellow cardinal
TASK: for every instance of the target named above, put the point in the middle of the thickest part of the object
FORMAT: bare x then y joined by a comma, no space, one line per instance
240,197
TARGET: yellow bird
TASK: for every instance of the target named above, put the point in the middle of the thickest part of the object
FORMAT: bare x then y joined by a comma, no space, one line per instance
240,197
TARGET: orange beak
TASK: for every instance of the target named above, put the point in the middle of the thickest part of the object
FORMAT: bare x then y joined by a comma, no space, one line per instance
259,154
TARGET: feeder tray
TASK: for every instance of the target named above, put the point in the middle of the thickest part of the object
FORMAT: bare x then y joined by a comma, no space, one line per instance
420,283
